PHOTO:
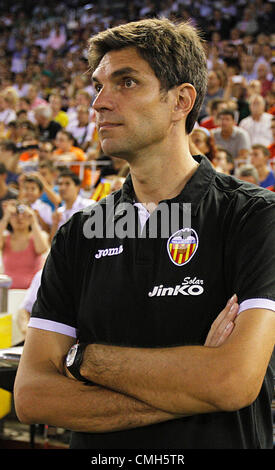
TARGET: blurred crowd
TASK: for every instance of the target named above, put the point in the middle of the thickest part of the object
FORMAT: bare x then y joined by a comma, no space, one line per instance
51,163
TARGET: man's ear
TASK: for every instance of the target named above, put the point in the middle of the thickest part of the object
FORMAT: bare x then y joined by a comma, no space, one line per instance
185,96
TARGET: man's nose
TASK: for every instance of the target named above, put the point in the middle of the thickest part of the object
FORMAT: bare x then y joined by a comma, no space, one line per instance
104,100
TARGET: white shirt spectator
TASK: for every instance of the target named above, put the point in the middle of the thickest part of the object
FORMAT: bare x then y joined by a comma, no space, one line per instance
80,203
44,210
259,131
7,116
82,134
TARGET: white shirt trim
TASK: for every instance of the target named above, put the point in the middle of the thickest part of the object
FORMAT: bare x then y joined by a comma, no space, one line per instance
50,325
257,303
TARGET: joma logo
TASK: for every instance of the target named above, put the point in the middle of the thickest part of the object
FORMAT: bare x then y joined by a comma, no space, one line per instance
109,252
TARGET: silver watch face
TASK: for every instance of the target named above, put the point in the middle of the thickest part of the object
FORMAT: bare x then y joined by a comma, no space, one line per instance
71,355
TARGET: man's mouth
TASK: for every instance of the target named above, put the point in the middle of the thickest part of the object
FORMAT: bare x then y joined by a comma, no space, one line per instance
107,125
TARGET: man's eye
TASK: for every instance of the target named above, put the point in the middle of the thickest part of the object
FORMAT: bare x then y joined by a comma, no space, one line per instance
129,83
97,88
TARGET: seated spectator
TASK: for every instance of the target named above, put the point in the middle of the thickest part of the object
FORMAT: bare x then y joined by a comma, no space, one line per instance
67,152
48,128
23,244
45,150
231,137
69,187
214,107
9,156
25,128
58,114
31,190
6,193
203,143
47,174
34,98
253,88
214,89
247,67
259,159
20,85
262,76
258,124
247,173
7,113
83,130
223,161
28,155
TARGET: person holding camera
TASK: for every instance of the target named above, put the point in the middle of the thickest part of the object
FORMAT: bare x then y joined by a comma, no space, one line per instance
22,242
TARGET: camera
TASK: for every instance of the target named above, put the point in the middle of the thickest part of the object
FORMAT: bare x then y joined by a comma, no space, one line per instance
20,208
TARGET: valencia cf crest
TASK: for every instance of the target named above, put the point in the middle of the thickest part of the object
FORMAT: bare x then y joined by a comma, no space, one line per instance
182,246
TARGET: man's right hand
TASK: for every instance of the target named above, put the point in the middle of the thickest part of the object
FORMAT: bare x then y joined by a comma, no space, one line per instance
223,325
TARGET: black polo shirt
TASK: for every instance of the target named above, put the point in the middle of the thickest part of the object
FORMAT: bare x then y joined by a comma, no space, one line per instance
158,292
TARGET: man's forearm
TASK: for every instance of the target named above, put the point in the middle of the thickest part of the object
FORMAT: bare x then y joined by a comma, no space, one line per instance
163,378
71,404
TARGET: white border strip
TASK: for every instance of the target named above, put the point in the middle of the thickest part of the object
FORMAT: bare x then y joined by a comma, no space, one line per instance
49,325
257,303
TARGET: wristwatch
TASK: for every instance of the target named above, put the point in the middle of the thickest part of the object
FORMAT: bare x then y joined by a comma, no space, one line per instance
74,360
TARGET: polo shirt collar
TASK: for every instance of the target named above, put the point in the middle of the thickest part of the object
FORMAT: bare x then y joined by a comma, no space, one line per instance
193,192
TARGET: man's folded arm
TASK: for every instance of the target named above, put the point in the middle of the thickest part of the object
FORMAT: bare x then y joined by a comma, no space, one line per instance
190,379
43,394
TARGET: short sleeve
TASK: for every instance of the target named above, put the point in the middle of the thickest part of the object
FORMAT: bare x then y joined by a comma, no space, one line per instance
54,307
250,256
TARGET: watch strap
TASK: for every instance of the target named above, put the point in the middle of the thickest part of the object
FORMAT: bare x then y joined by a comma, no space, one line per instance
74,368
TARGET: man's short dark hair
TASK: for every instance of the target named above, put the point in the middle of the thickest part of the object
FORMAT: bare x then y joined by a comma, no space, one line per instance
174,51
70,174
227,112
33,179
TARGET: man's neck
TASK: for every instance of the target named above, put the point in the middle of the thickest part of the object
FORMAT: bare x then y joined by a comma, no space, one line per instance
226,133
256,117
162,177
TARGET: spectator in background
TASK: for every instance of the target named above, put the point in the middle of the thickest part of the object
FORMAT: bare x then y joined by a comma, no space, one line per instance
58,114
214,107
34,98
47,174
28,155
247,173
9,157
203,143
7,113
31,190
83,130
24,244
45,150
20,85
6,193
214,89
262,76
258,124
48,128
247,67
67,152
69,186
223,161
230,137
259,159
